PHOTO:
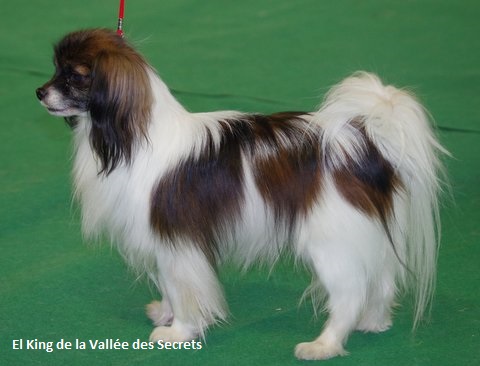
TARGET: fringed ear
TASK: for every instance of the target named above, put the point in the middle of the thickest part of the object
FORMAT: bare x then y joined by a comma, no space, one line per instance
120,105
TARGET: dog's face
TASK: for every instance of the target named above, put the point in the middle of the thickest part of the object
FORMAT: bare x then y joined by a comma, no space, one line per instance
88,64
97,73
93,69
68,92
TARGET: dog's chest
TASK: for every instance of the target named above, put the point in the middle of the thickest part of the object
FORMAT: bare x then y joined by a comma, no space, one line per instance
117,202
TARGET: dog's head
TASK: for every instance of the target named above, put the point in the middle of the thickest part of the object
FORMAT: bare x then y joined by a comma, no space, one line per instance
98,74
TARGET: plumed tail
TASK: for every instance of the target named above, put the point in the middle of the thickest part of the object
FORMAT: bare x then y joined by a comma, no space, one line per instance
399,128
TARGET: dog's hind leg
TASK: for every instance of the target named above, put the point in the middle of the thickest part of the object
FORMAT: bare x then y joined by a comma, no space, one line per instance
346,291
377,315
346,251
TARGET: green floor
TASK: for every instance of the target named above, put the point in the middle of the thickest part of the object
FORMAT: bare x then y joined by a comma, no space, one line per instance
253,55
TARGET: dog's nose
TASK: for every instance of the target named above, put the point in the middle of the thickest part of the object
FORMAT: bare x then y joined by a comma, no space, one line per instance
41,92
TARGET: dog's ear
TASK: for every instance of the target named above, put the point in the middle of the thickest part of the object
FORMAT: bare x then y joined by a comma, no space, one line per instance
120,106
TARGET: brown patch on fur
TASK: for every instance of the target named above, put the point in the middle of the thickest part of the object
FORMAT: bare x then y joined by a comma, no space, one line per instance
289,176
200,200
370,183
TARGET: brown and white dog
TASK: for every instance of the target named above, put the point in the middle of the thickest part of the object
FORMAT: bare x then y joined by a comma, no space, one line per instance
350,189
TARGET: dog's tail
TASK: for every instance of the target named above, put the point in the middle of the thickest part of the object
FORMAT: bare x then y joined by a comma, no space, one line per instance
361,111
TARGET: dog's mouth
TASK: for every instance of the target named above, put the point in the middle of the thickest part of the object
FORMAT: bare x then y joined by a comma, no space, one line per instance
62,112
56,110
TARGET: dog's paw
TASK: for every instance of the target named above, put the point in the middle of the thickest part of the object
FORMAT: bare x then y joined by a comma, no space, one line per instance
317,350
159,313
374,326
171,334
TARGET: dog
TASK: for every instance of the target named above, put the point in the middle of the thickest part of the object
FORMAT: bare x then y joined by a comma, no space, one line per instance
351,190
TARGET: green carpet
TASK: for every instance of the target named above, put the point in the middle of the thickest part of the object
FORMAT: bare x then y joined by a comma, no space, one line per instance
252,55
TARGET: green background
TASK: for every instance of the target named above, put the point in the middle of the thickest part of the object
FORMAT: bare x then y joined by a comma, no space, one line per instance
252,55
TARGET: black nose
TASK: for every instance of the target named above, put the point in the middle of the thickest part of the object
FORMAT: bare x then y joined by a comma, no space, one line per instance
41,92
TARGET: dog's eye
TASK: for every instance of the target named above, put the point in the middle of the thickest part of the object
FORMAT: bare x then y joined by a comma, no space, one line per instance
78,78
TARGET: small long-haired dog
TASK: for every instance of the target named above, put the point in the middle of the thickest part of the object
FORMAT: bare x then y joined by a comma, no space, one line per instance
350,190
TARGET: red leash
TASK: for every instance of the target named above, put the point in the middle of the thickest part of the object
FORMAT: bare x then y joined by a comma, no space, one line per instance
121,12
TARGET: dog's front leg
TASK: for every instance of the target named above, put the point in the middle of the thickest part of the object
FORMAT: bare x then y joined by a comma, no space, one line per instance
192,296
